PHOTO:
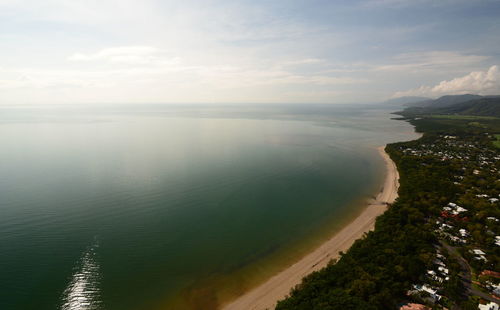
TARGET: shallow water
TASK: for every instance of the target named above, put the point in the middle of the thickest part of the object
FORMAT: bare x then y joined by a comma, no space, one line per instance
125,206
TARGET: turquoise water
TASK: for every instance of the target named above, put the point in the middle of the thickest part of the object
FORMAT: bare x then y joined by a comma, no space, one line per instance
125,206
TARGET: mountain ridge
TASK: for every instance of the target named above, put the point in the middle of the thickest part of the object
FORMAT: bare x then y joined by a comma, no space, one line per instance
458,105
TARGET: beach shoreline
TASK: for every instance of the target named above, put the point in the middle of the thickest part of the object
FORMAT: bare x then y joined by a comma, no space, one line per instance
267,294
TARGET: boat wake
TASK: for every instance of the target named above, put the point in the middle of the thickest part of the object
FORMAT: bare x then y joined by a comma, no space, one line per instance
82,293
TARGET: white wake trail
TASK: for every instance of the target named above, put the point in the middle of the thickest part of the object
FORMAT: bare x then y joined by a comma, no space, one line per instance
83,291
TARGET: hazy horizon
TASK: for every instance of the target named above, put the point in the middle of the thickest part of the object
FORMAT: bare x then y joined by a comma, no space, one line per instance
244,51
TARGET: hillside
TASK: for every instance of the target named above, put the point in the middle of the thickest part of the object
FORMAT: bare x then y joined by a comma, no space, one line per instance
445,101
484,106
481,107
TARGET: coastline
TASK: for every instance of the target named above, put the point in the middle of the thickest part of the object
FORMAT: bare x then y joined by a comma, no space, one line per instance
267,294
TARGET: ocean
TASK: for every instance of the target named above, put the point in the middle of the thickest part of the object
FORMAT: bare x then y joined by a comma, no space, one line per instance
155,206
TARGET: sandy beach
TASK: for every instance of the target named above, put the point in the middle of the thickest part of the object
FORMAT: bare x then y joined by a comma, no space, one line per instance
277,287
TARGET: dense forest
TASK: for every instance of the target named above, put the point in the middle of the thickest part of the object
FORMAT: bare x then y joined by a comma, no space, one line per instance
380,270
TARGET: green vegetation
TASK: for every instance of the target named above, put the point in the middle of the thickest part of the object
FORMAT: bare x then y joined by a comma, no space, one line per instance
467,105
453,164
465,117
428,124
496,143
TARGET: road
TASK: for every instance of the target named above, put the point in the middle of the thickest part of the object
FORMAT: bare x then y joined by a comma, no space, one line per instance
466,276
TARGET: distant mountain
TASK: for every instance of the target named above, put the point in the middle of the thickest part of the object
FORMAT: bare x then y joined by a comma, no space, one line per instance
407,100
483,106
487,106
444,101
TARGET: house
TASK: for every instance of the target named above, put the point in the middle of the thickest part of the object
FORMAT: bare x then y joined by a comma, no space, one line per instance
424,288
463,232
496,289
452,208
479,255
433,275
490,273
443,270
445,226
478,252
490,306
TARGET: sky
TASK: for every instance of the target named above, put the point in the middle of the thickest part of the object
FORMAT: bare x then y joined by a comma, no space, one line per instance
246,51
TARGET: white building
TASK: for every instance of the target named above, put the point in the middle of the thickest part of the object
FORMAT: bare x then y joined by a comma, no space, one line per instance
490,306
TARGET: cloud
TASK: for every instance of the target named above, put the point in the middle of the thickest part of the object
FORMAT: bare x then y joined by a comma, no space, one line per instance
399,4
132,55
135,74
305,61
172,51
431,60
477,82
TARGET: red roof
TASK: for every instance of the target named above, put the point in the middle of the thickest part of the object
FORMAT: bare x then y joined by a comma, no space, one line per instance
414,307
490,273
457,217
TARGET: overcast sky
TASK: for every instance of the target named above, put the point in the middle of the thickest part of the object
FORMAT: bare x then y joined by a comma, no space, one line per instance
70,51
